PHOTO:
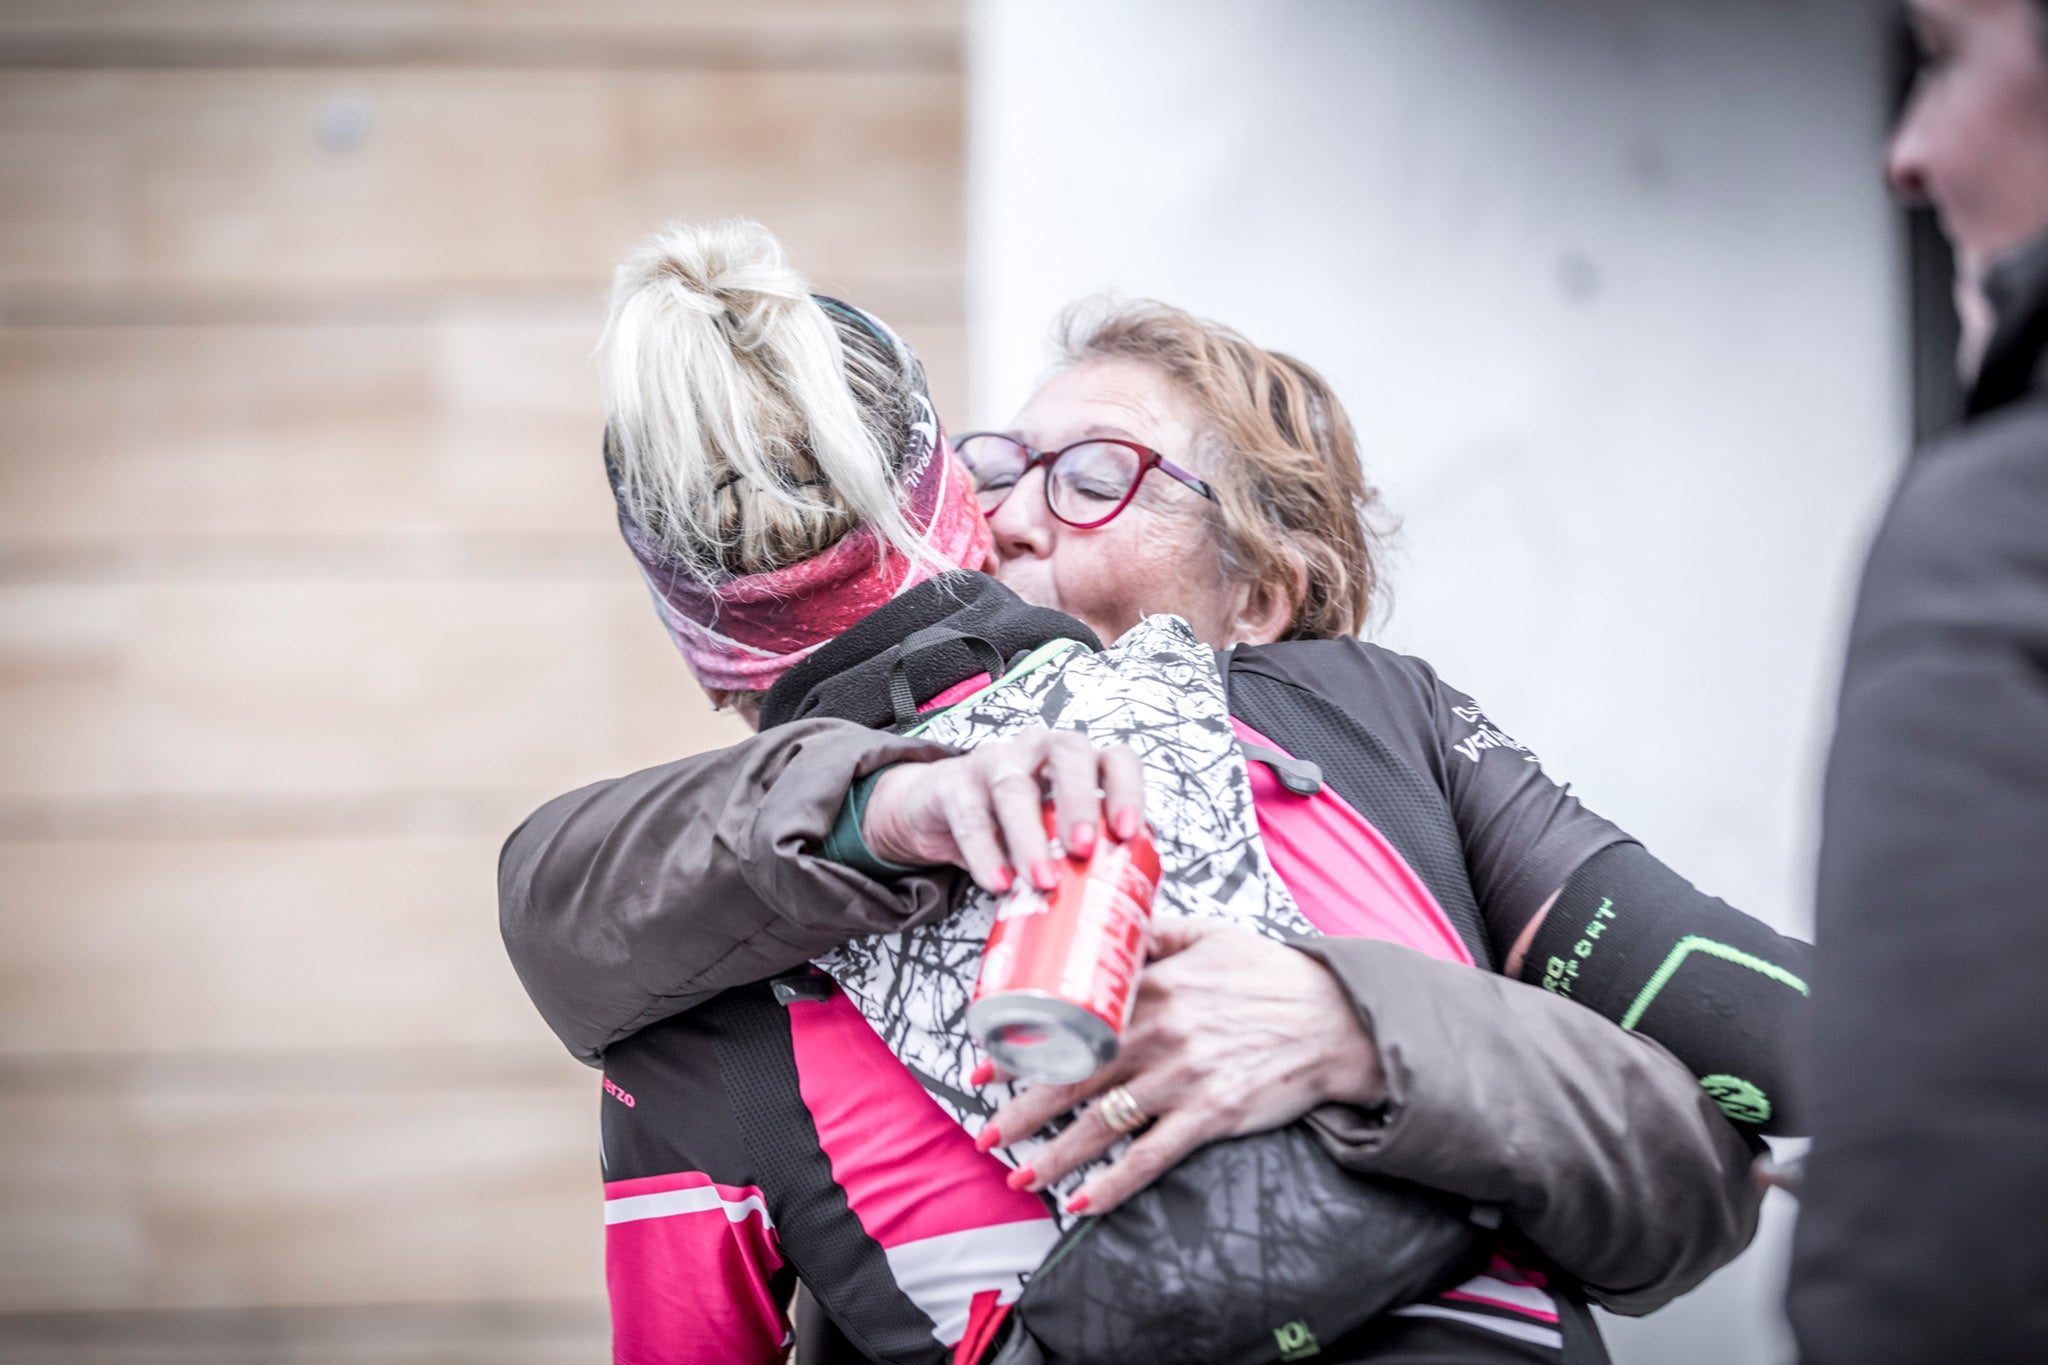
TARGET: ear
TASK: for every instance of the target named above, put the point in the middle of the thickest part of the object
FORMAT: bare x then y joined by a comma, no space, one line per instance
1266,610
745,705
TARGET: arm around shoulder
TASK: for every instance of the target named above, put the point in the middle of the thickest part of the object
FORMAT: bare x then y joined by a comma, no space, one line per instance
633,899
1604,1150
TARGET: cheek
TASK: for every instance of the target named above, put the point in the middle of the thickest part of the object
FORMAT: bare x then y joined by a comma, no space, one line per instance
1173,551
1108,577
1142,562
1970,127
1103,574
1175,569
1987,146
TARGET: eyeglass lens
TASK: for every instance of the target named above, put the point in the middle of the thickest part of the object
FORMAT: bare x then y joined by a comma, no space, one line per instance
1086,484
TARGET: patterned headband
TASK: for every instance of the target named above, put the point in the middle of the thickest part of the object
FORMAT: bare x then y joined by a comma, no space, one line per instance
741,633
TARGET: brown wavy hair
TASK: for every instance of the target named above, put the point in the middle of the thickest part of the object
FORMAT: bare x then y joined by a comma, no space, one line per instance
1294,512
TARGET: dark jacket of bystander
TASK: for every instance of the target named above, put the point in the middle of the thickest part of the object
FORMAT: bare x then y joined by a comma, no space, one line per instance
1923,1232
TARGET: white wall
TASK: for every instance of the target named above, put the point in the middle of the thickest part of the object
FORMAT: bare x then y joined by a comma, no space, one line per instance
1611,290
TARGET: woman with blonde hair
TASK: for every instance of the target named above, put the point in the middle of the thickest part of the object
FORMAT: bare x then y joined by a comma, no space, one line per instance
1344,906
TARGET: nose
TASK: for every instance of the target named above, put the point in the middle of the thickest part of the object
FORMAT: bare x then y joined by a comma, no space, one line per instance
1905,159
1022,527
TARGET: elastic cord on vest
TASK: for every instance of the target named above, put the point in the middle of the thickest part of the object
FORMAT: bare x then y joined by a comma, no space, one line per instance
1636,942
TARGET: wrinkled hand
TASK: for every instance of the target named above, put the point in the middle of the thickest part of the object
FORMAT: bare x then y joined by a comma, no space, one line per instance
1233,1033
982,810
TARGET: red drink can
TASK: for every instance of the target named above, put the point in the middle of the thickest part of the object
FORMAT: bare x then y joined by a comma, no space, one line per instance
1060,973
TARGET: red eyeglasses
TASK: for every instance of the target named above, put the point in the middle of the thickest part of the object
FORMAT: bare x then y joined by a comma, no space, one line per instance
1086,483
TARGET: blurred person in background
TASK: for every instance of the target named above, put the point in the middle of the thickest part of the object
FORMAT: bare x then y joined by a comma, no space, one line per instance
630,900
1923,1229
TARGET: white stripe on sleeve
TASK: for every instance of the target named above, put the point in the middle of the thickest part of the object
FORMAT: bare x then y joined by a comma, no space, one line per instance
667,1203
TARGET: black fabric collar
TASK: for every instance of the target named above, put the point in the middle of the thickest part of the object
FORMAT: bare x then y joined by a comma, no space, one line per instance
953,617
2017,288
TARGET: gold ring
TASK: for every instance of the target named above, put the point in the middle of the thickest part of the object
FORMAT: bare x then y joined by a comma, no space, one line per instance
1120,1111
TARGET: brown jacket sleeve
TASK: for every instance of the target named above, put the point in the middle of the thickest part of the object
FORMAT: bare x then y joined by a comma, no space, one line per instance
1601,1147
631,900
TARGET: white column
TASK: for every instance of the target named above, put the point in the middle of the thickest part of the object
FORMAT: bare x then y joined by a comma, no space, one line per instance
1612,292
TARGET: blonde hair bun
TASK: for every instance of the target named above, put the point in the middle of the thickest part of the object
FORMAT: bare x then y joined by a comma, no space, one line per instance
750,429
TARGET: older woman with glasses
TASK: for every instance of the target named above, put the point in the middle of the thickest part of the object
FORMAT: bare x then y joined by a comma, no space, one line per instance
1179,469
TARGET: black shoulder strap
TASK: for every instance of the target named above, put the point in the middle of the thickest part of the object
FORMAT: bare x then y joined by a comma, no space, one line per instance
1576,1326
846,1270
1382,786
903,696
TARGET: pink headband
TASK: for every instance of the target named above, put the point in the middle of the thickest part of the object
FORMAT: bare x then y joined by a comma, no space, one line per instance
741,634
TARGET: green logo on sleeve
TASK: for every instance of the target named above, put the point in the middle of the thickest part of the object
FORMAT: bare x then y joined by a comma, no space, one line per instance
1739,1099
1296,1341
1560,974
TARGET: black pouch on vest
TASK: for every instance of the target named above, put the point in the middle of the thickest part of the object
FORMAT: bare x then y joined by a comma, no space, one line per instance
1252,1250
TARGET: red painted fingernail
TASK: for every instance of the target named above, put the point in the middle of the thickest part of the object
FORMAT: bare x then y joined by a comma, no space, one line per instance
1078,1204
982,1075
1084,839
1126,824
988,1139
1042,874
1022,1177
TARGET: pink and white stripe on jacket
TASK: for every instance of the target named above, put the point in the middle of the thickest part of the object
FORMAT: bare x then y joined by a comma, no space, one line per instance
690,1262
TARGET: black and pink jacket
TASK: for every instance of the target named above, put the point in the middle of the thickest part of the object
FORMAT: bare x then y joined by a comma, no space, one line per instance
632,901
906,1234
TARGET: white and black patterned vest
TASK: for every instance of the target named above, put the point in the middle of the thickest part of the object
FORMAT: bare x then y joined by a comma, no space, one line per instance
1157,690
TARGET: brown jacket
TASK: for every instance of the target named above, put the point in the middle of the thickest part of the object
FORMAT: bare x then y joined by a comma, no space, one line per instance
631,900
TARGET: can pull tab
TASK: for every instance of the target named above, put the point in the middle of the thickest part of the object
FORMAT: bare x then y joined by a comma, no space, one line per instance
1298,775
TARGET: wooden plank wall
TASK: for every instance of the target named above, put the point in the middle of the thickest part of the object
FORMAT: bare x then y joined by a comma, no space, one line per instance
308,591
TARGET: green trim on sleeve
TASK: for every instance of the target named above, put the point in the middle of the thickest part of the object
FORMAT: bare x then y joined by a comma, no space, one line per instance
1694,943
1030,663
844,843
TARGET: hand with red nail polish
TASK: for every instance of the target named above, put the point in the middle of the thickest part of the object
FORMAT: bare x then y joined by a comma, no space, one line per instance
1079,1203
988,1139
1231,1033
1022,1178
983,1074
984,811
